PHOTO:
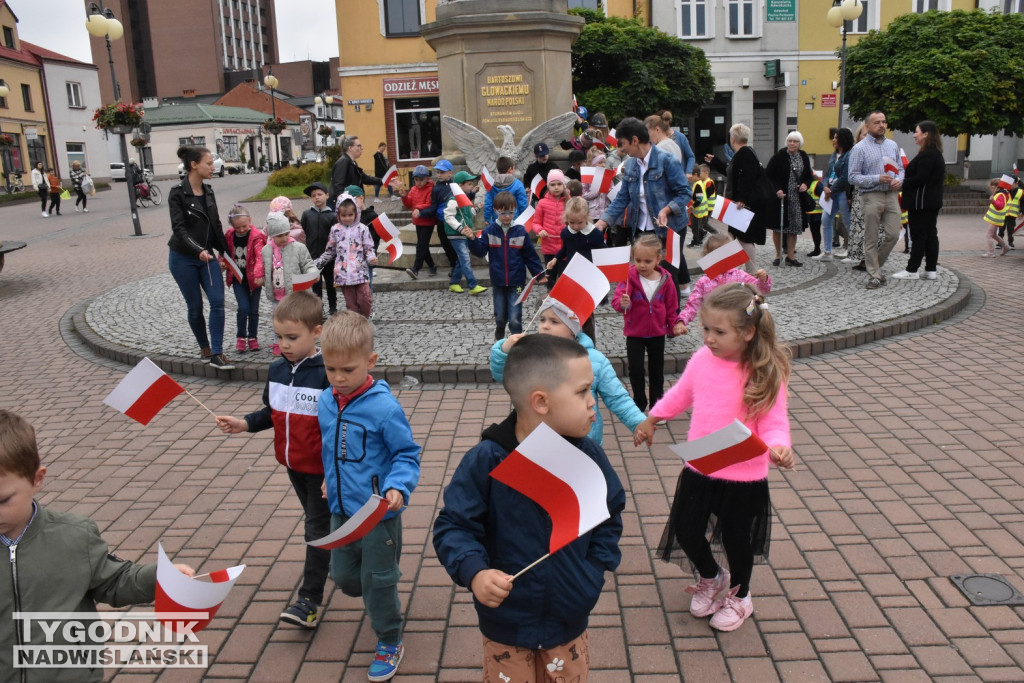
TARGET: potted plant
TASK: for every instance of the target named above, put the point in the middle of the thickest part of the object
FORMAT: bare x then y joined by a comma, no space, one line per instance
274,125
6,140
119,117
139,142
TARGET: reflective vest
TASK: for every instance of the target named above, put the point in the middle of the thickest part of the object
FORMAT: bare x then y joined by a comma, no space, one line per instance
700,200
815,191
996,214
1013,208
711,193
904,217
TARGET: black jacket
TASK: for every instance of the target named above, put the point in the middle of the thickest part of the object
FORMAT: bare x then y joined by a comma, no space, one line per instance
923,181
317,224
380,164
192,228
537,168
347,172
743,177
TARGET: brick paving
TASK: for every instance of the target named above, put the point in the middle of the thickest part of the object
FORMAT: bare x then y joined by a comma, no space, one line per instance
910,471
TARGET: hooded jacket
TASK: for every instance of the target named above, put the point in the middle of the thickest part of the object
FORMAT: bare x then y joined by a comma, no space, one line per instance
647,317
505,182
548,217
295,260
253,257
418,197
351,247
509,253
316,223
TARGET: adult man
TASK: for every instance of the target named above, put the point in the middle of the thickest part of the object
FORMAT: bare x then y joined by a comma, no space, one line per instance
347,172
879,189
541,166
654,192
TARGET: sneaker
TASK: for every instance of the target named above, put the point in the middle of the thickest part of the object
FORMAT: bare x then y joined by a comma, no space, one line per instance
275,349
733,613
873,283
304,612
988,254
205,354
685,291
456,288
85,210
1006,250
793,262
254,345
705,593
45,215
412,272
825,258
847,259
930,275
221,362
240,345
478,290
433,271
385,663
906,275
839,254
77,209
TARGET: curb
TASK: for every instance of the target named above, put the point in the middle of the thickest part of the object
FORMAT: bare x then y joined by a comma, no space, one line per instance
74,321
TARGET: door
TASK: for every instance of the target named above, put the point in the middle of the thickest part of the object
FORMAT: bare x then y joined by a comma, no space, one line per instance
712,127
764,131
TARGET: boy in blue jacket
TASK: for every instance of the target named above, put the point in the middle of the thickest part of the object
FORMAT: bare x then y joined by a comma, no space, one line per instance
505,181
487,531
367,448
509,251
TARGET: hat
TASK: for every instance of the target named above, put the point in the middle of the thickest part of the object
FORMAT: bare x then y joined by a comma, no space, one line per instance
577,155
315,186
443,166
277,224
541,150
280,204
421,171
599,120
354,190
464,176
555,175
564,313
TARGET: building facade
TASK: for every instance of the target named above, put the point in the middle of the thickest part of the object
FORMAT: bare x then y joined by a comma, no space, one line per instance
23,112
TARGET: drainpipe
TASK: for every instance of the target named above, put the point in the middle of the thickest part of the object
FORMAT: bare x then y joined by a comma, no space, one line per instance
49,120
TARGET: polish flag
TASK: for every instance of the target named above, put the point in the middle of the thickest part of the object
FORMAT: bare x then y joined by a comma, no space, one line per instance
560,478
537,186
179,594
528,288
613,262
674,249
581,287
390,176
905,161
728,256
301,282
394,249
727,212
889,166
611,140
230,263
525,219
612,193
143,392
1006,182
730,445
575,104
357,526
1019,226
486,179
462,200
598,177
384,227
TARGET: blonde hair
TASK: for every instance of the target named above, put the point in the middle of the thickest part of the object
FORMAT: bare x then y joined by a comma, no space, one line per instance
714,241
861,132
300,307
649,240
767,361
346,332
576,206
662,122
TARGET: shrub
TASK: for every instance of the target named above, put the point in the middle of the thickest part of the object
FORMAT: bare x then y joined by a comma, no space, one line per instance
952,180
298,175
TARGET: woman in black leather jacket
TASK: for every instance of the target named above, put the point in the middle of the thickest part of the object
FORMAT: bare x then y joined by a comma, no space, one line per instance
923,182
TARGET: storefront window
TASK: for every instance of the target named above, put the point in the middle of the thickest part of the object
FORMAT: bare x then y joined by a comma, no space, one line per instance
418,128
37,151
227,147
195,140
12,155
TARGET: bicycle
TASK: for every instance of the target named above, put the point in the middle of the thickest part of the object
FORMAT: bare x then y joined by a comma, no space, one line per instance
13,183
147,193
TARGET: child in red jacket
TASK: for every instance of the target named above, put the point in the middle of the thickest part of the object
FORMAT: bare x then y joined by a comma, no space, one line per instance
418,198
548,221
245,243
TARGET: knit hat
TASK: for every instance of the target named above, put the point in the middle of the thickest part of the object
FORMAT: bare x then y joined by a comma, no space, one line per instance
354,190
556,175
564,313
280,204
277,224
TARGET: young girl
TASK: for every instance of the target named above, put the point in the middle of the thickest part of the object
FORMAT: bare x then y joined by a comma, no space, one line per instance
547,218
995,217
648,302
704,285
351,247
283,258
740,373
579,236
284,205
245,247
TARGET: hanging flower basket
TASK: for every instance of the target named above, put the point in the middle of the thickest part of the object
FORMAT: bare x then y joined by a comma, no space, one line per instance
119,117
274,125
139,142
325,131
6,140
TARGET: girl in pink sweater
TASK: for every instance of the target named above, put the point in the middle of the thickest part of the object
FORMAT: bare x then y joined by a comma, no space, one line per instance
705,284
739,373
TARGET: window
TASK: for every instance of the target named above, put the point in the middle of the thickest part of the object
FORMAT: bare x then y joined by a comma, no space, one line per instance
402,17
195,140
74,95
227,147
585,4
3,100
12,155
866,21
922,6
693,20
26,96
742,19
418,128
76,152
37,151
1009,7
9,37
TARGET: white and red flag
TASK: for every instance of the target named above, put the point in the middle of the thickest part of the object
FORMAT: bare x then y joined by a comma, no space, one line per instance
1006,182
391,175
674,249
727,212
486,179
357,526
385,228
728,256
560,478
304,281
537,186
230,263
394,249
613,262
462,200
179,594
903,158
581,287
525,219
598,177
143,392
611,140
889,166
612,193
528,288
730,445
575,104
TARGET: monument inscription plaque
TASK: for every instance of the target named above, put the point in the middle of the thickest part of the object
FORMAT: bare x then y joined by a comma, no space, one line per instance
506,95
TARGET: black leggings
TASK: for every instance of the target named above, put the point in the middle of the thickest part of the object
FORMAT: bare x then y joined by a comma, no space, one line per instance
924,239
44,194
54,202
654,347
81,198
735,525
327,278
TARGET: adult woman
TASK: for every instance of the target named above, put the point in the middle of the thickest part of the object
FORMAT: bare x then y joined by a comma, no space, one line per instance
789,172
77,177
195,232
836,187
743,186
855,240
660,130
41,184
922,196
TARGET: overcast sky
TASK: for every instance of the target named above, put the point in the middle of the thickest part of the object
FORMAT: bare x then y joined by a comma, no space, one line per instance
305,30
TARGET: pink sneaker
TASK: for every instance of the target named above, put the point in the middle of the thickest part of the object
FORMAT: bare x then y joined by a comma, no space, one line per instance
705,591
254,345
733,613
240,345
276,350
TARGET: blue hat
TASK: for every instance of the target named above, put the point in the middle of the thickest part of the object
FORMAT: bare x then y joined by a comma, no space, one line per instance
443,166
422,171
541,150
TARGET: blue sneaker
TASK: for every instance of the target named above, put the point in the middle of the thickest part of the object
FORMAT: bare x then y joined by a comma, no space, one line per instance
385,664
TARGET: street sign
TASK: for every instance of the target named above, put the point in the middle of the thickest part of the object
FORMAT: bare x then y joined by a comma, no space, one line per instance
829,99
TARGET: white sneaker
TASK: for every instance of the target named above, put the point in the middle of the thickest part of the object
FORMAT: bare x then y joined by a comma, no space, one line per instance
825,258
906,275
930,275
85,210
45,215
77,209
849,260
685,292
839,254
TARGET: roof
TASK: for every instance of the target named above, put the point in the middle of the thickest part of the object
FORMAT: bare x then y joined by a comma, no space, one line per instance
173,114
23,56
50,56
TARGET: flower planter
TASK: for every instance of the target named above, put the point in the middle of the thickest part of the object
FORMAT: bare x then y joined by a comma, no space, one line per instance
121,129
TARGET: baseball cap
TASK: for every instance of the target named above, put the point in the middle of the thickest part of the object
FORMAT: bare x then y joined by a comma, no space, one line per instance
463,176
420,171
444,165
354,190
541,150
315,186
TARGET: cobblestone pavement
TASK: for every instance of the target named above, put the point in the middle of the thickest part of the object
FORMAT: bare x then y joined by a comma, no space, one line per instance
910,471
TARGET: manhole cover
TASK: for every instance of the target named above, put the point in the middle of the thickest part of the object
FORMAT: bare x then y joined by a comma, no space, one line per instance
987,589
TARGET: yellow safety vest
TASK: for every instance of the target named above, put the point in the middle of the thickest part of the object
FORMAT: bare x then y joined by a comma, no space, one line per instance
700,201
996,216
1013,208
710,194
815,191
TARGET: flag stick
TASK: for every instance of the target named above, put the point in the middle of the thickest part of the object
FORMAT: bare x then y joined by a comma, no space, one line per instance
530,566
530,324
201,403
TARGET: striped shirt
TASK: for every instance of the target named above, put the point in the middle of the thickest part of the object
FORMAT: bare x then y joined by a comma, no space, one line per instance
866,163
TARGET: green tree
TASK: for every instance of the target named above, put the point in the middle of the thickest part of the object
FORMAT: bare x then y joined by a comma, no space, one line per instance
623,68
962,70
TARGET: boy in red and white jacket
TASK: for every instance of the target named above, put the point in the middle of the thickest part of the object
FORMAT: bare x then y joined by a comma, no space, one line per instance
294,385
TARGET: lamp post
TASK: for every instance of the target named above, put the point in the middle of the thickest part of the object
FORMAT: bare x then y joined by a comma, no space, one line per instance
271,82
102,24
4,92
843,11
327,101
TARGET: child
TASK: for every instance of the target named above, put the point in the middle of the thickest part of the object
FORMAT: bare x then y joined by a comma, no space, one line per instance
351,248
55,189
705,285
439,197
509,253
316,223
297,445
1013,210
597,200
547,218
245,247
648,302
488,531
576,159
367,214
740,373
905,221
574,188
367,448
578,237
557,319
813,216
284,205
60,561
704,196
457,218
417,198
283,258
505,181
995,217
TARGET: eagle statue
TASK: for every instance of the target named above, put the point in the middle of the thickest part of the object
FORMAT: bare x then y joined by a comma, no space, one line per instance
481,151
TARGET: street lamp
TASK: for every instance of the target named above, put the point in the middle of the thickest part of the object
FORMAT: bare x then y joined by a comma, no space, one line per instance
843,11
271,82
328,112
4,92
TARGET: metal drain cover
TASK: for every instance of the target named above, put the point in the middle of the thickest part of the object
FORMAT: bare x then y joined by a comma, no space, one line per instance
987,589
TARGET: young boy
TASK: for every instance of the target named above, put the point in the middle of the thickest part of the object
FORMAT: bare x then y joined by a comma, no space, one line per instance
439,197
351,247
703,202
509,252
505,181
316,223
487,531
289,407
995,217
456,218
367,448
417,198
58,561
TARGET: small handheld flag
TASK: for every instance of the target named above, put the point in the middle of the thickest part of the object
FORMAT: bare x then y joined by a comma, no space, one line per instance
143,392
384,227
391,175
889,166
306,281
727,212
728,256
905,161
611,140
613,262
230,263
581,287
486,179
1006,182
394,249
528,288
730,445
525,219
537,186
461,198
674,249
177,593
357,526
598,177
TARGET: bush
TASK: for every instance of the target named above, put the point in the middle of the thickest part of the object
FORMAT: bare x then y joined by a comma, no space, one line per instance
331,156
952,180
298,175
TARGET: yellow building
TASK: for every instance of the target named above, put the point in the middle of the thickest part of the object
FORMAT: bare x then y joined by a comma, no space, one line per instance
23,110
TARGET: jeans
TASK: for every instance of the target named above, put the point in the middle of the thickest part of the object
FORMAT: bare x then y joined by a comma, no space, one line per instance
506,310
318,525
841,206
248,317
462,264
369,568
195,277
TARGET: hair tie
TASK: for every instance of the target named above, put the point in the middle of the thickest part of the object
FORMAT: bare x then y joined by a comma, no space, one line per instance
752,306
763,306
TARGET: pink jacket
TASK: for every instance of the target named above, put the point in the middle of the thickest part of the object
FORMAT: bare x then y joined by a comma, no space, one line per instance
253,259
548,216
645,318
704,285
713,387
